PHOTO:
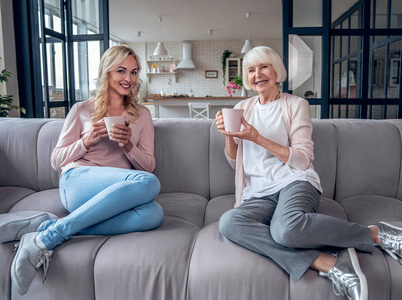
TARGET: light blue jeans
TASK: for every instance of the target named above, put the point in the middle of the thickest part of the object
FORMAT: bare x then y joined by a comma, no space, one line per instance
104,201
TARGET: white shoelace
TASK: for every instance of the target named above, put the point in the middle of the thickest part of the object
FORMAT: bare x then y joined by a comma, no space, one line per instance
341,281
45,261
391,245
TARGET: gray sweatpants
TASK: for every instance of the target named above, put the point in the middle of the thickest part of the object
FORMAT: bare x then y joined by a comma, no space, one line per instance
287,228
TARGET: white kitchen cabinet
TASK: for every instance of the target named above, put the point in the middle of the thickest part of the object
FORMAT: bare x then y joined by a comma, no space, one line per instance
233,68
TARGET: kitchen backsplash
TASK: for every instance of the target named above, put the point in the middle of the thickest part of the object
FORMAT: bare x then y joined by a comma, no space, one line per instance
206,55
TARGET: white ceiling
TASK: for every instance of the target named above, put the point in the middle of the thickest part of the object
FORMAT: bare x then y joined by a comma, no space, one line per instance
191,19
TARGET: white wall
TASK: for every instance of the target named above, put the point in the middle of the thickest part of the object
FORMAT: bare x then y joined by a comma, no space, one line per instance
8,53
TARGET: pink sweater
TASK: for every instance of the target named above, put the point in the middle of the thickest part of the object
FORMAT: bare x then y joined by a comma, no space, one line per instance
296,116
70,151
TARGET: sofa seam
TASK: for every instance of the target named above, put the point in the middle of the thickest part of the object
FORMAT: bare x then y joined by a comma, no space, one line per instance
189,264
336,160
400,163
93,269
37,153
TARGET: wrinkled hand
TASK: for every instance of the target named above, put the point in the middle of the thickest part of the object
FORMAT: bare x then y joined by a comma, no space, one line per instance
249,133
219,122
97,133
122,135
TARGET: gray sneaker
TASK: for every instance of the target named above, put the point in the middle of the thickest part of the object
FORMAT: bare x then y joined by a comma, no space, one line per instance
27,261
347,277
14,225
390,237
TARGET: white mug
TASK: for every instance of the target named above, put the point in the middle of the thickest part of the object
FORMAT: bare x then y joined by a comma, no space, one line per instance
232,119
109,121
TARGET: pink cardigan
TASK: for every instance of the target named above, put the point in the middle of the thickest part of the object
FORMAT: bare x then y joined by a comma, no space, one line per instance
296,116
70,151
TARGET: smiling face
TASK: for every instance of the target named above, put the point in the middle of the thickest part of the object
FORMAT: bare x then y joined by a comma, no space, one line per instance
122,79
262,78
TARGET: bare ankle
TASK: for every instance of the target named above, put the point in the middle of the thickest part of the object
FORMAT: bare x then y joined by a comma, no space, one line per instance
324,263
374,234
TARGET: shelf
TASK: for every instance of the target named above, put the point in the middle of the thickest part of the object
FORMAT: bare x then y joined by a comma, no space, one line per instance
163,60
162,73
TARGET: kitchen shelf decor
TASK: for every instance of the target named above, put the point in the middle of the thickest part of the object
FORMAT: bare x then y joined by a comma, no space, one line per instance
164,67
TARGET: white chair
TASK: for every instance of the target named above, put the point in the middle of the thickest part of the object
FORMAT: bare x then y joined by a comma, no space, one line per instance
199,109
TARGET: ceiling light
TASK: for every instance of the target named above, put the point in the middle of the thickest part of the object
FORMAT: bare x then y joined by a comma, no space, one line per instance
247,45
160,48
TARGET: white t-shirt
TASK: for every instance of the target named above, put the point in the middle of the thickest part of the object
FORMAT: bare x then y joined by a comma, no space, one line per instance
264,173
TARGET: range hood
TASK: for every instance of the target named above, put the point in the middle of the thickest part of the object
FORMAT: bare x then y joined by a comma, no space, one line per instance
187,62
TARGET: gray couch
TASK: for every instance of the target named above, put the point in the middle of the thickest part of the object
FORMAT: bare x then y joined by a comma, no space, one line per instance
359,162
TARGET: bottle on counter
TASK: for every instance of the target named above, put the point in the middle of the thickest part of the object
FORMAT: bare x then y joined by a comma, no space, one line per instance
191,94
162,92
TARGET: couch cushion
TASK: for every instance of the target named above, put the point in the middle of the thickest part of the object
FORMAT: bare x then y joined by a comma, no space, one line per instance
181,151
331,208
10,195
47,140
222,176
220,269
6,258
395,274
19,152
146,265
217,207
398,124
369,158
325,156
369,209
48,200
190,207
313,286
71,271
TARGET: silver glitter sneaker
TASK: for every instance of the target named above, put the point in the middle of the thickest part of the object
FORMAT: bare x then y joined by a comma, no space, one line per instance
14,225
390,237
28,259
347,277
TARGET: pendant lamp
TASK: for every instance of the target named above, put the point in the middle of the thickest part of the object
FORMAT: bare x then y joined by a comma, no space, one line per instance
247,45
160,48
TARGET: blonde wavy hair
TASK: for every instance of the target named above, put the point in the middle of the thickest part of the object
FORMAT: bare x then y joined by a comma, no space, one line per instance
111,59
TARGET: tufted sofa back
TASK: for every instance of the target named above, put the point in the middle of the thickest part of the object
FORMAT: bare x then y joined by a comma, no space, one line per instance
190,158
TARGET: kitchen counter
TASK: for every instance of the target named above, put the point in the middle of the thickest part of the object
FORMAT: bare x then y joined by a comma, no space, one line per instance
177,106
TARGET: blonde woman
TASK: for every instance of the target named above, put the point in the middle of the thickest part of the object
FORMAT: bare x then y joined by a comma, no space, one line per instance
106,184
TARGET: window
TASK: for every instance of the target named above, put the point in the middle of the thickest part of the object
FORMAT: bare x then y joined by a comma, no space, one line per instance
356,57
66,40
365,62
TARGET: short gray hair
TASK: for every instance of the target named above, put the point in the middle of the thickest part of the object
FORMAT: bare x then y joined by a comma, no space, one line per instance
263,55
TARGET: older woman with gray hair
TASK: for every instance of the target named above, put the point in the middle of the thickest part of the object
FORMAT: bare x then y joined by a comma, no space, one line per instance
278,191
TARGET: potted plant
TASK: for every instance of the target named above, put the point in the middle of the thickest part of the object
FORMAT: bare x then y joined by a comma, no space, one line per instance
236,84
6,101
225,55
